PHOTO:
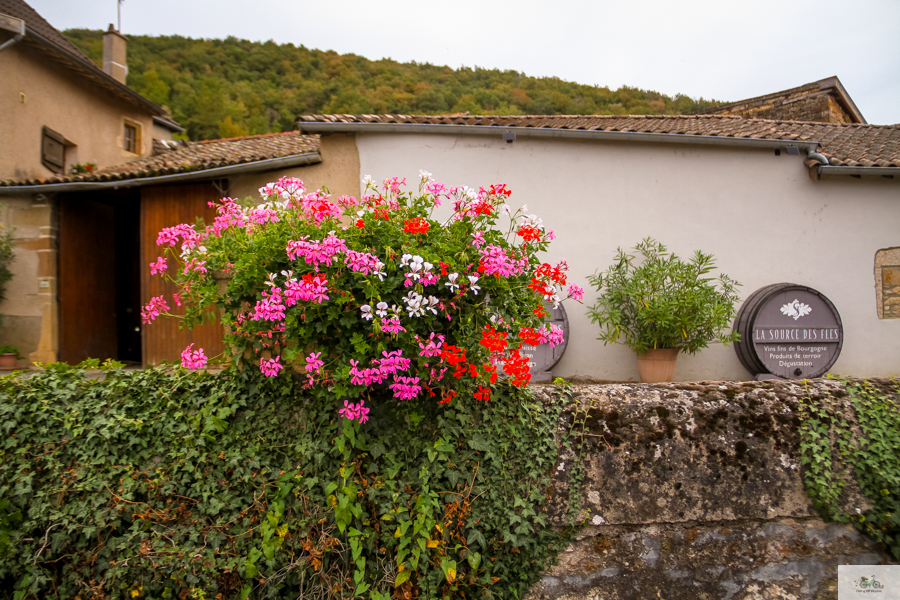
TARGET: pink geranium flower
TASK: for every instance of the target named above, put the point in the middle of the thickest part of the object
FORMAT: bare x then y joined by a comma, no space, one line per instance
159,266
193,359
270,366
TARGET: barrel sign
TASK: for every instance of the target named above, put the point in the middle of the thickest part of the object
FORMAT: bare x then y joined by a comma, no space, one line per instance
790,331
542,358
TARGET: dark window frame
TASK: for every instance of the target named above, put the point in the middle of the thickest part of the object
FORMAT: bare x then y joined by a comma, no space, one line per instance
131,141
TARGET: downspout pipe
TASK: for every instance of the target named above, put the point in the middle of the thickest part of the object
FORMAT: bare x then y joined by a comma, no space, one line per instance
14,25
817,157
11,42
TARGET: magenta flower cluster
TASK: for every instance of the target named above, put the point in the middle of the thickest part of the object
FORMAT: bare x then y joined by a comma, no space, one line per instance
497,261
309,289
193,359
271,307
270,366
153,309
391,363
356,411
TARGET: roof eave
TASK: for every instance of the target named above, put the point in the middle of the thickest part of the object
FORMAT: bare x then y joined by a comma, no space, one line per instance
295,160
107,79
168,124
539,132
848,102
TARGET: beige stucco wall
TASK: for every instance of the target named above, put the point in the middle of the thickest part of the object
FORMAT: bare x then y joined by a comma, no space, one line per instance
30,309
338,171
37,92
761,215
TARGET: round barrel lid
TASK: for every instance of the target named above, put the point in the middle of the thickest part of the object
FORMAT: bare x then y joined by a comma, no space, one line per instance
789,330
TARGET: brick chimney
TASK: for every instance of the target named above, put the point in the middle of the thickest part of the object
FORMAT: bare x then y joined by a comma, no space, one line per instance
114,55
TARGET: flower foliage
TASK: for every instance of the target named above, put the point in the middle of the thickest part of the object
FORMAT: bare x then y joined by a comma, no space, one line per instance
390,300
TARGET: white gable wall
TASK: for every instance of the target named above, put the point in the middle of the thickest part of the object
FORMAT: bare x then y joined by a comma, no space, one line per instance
760,215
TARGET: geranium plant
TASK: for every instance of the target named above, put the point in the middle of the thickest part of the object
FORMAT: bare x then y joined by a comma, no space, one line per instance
373,299
657,301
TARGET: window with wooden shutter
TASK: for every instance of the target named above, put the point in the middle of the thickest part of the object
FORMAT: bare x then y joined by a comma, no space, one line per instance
53,150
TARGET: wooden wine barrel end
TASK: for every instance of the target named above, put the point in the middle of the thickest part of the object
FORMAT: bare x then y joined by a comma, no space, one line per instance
543,358
788,330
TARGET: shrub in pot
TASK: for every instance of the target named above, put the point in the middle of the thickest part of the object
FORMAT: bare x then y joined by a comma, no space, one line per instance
659,305
8,356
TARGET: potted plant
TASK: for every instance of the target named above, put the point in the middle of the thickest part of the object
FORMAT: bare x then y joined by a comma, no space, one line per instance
659,305
8,356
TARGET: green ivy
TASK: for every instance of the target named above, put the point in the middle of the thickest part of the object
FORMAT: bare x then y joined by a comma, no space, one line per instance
174,484
865,440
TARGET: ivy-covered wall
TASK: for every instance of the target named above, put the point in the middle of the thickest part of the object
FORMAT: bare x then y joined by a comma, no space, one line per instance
697,490
191,485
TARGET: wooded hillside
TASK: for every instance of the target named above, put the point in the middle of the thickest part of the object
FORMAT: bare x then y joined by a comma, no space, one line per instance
233,87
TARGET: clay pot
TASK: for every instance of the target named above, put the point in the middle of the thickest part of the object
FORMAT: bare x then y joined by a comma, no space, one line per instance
8,361
657,366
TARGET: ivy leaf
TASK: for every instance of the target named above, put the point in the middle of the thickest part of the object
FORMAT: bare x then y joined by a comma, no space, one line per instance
477,442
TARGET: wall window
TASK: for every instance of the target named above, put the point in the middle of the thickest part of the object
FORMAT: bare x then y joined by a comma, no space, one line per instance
131,142
131,136
53,150
887,283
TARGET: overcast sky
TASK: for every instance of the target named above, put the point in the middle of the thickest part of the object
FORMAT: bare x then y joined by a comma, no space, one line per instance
718,49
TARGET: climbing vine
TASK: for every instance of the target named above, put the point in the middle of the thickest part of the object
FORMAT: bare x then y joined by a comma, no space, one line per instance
859,435
185,484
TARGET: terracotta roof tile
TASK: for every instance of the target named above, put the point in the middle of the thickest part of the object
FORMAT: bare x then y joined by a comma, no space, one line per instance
843,144
197,156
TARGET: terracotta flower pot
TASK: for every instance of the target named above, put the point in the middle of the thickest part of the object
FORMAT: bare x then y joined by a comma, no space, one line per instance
8,362
658,365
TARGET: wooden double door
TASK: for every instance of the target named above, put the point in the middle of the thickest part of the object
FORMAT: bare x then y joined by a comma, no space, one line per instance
106,243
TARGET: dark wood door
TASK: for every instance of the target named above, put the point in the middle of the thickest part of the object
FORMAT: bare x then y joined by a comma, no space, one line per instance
165,207
87,280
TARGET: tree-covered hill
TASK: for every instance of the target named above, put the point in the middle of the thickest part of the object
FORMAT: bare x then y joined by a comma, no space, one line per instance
233,87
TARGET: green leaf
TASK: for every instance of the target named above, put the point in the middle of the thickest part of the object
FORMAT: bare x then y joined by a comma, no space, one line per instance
402,577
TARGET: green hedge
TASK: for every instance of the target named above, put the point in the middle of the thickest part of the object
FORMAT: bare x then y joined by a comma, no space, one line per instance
159,484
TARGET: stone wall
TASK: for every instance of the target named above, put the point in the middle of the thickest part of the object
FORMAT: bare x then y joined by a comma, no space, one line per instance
695,491
819,106
887,283
29,311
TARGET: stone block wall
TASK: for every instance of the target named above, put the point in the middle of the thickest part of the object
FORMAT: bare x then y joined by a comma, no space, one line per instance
807,105
30,309
887,283
695,491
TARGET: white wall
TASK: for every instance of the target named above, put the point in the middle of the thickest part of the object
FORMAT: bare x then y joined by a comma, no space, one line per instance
760,215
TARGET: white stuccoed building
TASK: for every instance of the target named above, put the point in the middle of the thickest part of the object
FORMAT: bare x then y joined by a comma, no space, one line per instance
816,204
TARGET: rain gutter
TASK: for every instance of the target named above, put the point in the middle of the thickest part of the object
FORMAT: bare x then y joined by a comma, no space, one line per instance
307,158
540,132
888,172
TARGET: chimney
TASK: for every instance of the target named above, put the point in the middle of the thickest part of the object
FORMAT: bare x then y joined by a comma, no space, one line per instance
114,55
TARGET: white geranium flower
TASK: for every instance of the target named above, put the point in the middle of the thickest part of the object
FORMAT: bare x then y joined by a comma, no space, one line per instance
451,283
473,279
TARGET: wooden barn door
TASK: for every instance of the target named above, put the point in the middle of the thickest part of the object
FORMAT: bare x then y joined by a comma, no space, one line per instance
165,207
87,280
